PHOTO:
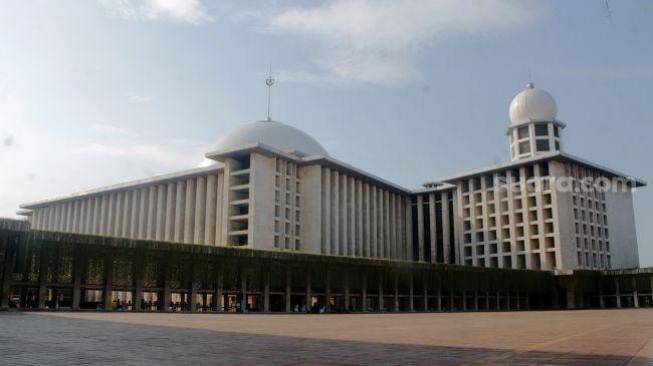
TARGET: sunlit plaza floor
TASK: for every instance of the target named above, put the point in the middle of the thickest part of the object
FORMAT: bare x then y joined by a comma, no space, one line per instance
597,337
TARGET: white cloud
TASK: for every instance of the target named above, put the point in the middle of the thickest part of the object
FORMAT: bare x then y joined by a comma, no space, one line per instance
185,11
135,97
377,41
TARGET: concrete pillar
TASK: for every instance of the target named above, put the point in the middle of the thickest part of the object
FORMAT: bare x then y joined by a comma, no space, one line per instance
411,301
498,300
211,209
487,300
309,295
464,300
571,295
364,292
439,296
396,293
327,294
193,296
108,280
617,292
476,300
380,293
425,295
180,210
77,277
266,290
218,291
137,277
601,295
635,293
6,276
243,290
288,290
346,292
200,211
43,276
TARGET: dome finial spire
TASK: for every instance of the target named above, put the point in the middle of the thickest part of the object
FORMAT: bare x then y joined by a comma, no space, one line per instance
269,81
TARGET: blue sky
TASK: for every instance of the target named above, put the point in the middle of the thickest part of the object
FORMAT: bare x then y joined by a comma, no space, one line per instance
98,92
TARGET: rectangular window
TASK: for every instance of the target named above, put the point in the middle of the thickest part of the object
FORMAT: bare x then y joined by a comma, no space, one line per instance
522,132
542,145
541,130
524,147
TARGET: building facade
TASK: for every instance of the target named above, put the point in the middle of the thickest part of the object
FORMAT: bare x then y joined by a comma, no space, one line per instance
273,187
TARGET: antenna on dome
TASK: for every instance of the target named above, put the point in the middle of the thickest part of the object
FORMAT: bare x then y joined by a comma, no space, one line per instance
269,81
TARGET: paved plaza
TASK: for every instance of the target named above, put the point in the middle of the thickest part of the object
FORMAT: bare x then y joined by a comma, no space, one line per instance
597,337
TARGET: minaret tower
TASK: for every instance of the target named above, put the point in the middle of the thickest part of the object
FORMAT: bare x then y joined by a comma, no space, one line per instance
534,129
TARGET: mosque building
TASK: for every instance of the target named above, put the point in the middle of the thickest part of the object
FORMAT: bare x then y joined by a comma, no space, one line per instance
275,189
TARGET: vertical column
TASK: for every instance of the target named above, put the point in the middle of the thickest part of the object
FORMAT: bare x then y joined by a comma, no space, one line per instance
438,294
117,214
43,275
189,217
464,298
142,213
373,223
108,279
135,215
288,290
601,294
200,211
360,244
218,289
309,296
138,265
366,224
344,216
266,290
161,212
326,211
433,228
420,228
396,293
7,270
152,212
243,289
126,214
335,213
635,294
411,302
408,229
193,295
219,202
211,209
169,227
180,209
346,285
166,297
617,291
425,294
476,300
381,292
327,294
77,276
364,293
446,235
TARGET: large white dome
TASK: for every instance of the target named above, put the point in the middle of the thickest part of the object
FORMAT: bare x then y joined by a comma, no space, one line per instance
274,134
532,105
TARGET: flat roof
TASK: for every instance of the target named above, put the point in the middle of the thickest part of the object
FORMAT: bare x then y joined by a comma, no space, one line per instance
550,156
127,185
